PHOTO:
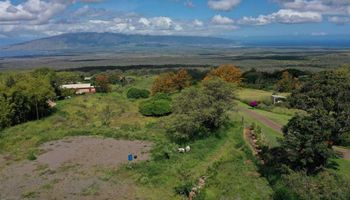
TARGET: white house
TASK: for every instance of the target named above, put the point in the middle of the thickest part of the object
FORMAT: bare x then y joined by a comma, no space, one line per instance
81,88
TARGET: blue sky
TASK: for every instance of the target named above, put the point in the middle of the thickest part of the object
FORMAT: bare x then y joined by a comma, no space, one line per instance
30,19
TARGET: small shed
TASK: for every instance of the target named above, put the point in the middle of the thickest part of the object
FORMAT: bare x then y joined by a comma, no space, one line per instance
278,98
80,88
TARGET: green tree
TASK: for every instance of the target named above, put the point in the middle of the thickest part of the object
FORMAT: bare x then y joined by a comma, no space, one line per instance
325,185
38,91
26,97
135,93
200,111
171,82
5,113
287,83
306,144
328,91
102,83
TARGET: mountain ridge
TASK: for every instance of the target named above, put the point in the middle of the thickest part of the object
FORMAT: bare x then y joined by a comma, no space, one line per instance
71,41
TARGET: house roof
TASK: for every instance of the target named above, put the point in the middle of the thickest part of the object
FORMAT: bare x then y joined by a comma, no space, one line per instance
77,86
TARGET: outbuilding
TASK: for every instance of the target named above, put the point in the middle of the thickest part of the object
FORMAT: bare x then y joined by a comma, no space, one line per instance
81,88
278,99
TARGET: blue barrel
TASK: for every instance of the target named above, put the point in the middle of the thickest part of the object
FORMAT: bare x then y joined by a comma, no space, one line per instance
130,157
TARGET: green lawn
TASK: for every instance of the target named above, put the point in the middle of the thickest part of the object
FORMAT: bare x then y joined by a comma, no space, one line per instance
343,168
248,95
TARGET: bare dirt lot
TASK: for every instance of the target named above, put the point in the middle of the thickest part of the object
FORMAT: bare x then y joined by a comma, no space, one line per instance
72,168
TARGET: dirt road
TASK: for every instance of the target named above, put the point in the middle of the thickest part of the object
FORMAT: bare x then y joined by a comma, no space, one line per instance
263,119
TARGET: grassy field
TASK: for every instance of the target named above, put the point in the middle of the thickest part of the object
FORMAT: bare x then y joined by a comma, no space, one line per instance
225,160
248,95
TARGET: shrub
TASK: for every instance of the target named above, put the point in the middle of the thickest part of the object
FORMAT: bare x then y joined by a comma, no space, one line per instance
31,156
135,93
184,189
254,104
155,107
322,186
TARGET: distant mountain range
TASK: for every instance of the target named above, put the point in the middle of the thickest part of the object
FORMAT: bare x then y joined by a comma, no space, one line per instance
82,41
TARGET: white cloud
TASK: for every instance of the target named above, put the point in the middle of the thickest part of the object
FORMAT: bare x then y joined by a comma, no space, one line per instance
197,22
39,18
330,7
162,22
31,11
223,5
339,20
218,19
284,16
144,22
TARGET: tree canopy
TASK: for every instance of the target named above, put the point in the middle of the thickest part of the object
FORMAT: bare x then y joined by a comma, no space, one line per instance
171,82
228,73
200,111
24,96
328,91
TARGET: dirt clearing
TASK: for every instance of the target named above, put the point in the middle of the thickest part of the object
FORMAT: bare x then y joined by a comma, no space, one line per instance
73,168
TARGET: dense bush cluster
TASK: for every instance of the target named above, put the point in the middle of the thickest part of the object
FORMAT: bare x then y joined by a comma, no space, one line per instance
159,105
135,93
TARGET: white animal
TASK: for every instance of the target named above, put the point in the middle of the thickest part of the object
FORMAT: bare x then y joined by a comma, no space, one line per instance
181,150
188,149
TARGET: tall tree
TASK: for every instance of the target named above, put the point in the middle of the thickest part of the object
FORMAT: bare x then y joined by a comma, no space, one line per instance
329,91
200,111
287,83
102,83
307,143
228,73
171,82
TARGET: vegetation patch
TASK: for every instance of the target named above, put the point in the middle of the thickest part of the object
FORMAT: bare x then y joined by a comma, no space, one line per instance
159,105
135,93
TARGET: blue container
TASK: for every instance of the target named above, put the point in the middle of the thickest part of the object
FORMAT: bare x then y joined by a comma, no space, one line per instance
130,157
